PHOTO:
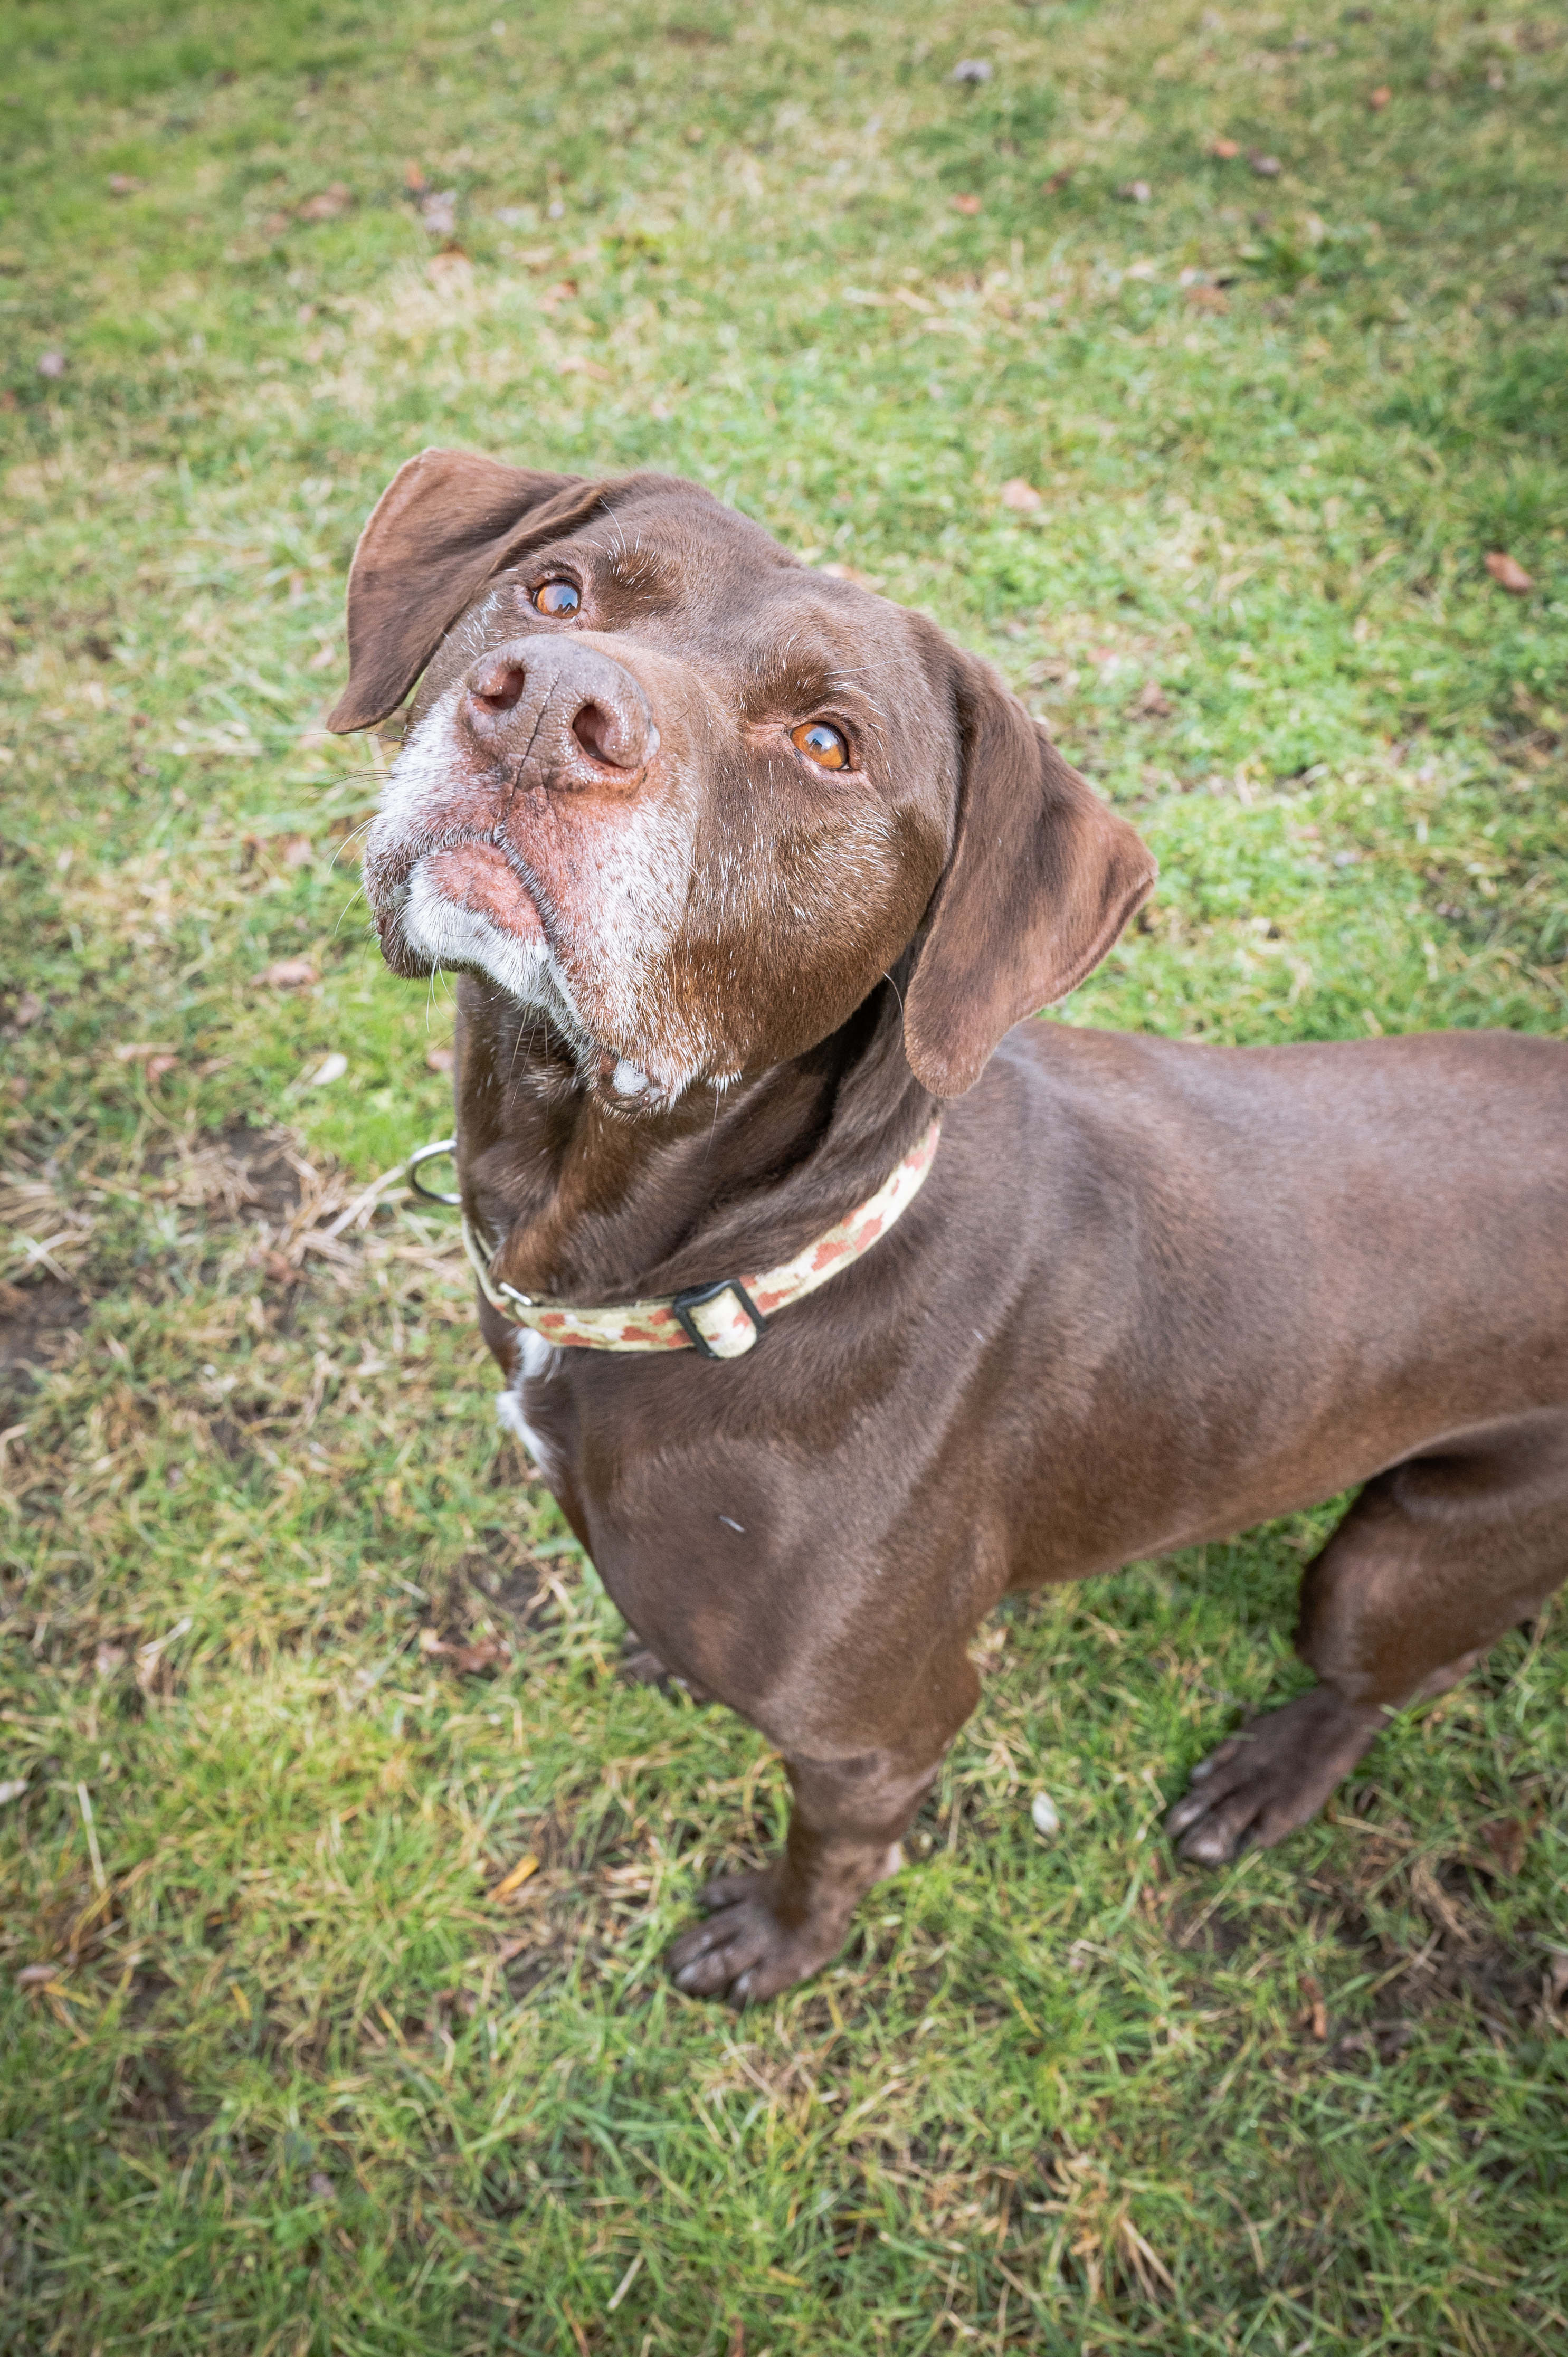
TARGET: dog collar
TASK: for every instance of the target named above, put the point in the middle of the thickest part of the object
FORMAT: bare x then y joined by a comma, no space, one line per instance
722,1320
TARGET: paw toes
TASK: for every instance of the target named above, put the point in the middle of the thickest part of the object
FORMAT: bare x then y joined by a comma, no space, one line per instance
1214,1841
727,1889
705,1976
718,1955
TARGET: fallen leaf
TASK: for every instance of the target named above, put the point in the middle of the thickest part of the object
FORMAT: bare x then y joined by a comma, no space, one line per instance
966,205
1226,150
1509,574
1207,298
511,1948
1313,2014
281,1271
1506,1838
1136,192
1021,497
51,364
332,1067
120,184
1378,99
290,974
971,69
451,268
467,1660
1153,702
327,205
35,1975
413,179
512,1882
1267,168
440,1060
1058,180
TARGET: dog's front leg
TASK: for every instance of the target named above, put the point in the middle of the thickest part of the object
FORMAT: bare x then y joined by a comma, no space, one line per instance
767,1931
850,1816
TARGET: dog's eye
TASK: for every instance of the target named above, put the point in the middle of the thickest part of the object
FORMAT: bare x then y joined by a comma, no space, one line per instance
821,744
557,598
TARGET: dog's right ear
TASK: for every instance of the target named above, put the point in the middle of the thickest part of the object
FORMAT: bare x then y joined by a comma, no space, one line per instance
443,525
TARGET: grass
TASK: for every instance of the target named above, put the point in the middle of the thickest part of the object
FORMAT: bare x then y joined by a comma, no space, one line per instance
298,2077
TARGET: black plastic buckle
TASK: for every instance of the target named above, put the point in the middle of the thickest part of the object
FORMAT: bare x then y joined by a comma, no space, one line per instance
681,1309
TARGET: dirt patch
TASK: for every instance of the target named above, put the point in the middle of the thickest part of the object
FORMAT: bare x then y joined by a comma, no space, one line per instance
1202,1928
271,1174
1463,1968
154,2102
493,1590
39,1322
237,1173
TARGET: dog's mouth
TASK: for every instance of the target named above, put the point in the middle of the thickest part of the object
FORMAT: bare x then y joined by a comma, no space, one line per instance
478,877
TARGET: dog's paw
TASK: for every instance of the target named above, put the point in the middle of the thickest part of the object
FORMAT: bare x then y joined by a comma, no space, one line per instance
743,1952
1264,1784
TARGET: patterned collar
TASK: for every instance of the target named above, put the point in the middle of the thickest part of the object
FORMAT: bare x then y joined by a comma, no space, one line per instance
722,1320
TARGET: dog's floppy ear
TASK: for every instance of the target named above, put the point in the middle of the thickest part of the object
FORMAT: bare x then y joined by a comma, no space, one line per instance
1042,878
445,523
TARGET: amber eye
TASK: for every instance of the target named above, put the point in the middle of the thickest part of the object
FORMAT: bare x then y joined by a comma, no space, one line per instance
821,743
557,598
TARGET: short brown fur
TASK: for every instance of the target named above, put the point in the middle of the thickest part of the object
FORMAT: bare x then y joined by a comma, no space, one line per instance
1151,1293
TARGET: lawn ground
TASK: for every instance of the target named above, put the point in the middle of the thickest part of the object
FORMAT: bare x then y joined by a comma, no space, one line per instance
292,2060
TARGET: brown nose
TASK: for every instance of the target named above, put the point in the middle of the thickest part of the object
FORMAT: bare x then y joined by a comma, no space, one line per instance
560,713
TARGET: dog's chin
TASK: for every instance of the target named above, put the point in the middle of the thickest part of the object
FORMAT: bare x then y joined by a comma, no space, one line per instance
465,909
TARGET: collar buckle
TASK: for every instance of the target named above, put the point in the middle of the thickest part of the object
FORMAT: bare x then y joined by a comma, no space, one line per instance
725,1339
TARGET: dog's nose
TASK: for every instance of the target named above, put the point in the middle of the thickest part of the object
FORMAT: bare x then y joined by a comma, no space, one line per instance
565,715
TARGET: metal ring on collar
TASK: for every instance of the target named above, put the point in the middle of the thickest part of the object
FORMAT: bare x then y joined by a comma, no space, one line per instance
442,1145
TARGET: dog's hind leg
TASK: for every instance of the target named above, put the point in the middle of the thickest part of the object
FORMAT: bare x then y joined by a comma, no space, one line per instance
1437,1558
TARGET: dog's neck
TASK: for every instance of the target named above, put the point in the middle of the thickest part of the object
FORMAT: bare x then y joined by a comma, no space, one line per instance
592,1205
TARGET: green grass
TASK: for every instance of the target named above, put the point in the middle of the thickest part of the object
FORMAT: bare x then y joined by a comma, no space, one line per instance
296,2082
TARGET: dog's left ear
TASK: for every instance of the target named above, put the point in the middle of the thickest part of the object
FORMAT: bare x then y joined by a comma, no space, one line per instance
1042,878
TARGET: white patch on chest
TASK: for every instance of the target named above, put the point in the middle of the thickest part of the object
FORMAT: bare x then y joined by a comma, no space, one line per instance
537,1361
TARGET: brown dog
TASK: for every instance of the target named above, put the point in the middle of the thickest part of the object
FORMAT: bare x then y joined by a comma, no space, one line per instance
748,872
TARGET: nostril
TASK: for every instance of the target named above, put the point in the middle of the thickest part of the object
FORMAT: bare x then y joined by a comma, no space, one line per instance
602,735
500,690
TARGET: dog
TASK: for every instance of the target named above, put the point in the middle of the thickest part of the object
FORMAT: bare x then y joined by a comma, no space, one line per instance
835,1301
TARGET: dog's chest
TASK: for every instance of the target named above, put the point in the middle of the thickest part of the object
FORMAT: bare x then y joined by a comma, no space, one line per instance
524,1406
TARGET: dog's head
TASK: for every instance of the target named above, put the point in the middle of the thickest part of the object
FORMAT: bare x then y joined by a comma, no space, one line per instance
691,800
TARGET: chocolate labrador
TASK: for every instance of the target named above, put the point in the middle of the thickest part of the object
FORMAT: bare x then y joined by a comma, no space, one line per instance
835,1301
